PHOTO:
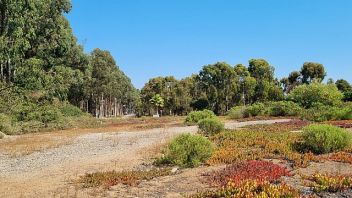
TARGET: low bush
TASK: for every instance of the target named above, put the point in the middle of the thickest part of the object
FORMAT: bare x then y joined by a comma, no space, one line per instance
187,150
321,113
325,138
2,135
284,108
195,116
6,126
256,109
210,126
70,110
238,112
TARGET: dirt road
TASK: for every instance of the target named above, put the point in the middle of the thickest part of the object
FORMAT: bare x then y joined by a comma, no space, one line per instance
50,173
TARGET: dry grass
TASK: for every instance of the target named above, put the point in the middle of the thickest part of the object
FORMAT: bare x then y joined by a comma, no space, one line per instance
30,143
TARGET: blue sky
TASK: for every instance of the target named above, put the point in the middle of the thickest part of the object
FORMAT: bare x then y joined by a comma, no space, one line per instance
150,38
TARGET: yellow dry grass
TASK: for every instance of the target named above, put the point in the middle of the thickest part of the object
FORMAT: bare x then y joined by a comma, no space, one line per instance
30,143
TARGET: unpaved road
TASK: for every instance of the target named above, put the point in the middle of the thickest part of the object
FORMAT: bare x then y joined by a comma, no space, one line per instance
50,173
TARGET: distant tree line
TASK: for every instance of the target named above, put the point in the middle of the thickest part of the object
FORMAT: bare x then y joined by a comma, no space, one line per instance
42,63
220,86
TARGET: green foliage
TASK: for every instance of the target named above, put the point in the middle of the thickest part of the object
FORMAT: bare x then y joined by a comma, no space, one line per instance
347,96
71,111
256,109
312,71
308,94
321,113
237,112
325,138
195,116
210,126
6,126
188,150
2,135
284,108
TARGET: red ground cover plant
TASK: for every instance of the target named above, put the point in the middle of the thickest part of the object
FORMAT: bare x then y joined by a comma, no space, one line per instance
341,157
293,125
260,171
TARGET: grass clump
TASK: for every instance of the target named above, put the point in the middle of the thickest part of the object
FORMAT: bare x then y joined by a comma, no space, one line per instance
112,178
324,138
210,126
187,150
195,116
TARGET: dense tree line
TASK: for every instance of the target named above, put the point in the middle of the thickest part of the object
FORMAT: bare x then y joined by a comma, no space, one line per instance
41,61
220,86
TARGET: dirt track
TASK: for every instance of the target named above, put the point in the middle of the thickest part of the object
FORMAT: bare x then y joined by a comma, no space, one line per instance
49,173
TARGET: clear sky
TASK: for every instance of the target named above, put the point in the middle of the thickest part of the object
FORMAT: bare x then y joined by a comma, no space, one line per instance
150,38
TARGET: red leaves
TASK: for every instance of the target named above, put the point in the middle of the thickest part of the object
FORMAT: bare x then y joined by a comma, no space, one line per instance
251,170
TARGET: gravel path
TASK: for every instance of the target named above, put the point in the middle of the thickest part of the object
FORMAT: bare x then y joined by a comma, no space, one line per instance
42,173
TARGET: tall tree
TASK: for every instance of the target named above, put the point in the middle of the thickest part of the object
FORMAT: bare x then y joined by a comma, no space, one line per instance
312,71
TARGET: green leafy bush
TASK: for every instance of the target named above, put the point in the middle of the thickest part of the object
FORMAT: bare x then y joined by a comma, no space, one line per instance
321,113
195,116
6,126
308,94
284,108
187,150
325,138
238,112
210,126
256,109
70,110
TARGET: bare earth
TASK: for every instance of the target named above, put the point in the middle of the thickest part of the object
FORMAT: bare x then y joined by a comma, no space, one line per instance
50,172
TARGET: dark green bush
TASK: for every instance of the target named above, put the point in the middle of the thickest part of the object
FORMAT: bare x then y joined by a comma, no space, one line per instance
325,138
256,109
70,110
195,116
238,112
210,126
284,108
187,150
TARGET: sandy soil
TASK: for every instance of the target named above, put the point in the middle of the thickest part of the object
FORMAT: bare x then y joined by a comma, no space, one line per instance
50,172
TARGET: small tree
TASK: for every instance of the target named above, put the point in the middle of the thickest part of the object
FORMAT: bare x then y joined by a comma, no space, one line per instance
158,102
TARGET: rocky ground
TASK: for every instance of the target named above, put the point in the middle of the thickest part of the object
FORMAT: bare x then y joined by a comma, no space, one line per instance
51,172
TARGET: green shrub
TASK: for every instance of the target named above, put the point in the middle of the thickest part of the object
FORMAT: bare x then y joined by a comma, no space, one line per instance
195,116
188,150
6,126
70,110
210,126
284,108
256,109
325,138
2,135
321,113
308,95
238,112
